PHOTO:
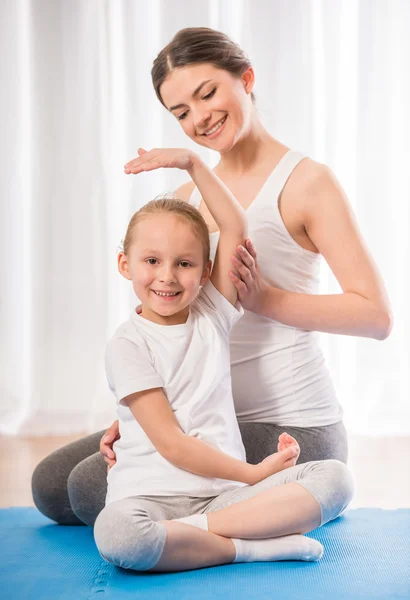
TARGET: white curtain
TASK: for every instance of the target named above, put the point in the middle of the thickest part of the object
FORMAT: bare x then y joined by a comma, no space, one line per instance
333,80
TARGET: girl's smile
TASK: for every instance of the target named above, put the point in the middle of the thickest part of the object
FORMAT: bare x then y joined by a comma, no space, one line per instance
167,296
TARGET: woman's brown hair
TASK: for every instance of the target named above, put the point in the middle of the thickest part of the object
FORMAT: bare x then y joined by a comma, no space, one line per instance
195,45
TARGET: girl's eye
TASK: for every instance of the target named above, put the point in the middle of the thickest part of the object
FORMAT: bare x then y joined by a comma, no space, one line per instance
207,97
151,259
184,264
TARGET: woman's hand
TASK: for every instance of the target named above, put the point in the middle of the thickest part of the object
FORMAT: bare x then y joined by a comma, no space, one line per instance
252,289
110,436
168,158
287,456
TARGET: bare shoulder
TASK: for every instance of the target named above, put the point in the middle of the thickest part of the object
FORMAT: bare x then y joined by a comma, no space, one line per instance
184,192
310,174
312,185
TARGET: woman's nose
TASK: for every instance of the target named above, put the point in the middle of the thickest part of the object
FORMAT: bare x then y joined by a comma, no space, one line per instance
201,119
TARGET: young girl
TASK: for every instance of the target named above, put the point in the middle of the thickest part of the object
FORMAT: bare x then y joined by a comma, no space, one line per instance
181,494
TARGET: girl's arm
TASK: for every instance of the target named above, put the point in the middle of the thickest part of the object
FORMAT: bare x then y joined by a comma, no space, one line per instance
363,309
152,411
225,209
231,220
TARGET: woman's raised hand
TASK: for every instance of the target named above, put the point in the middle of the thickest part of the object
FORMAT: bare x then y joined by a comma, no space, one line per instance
157,158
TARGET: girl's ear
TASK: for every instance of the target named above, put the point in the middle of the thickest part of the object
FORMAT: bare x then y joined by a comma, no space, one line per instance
206,273
122,262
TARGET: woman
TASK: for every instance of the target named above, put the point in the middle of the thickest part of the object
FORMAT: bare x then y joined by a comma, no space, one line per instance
297,213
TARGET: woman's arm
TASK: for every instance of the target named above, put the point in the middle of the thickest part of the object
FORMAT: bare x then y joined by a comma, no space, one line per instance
231,220
153,412
346,314
363,309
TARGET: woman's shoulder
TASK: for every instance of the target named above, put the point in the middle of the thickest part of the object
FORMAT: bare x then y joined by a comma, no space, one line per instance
300,200
308,172
307,179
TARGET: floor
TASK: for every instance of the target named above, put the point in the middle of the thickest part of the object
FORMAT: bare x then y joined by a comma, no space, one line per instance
380,467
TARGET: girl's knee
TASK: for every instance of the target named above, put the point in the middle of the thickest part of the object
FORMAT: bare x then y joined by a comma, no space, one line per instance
342,479
130,541
339,486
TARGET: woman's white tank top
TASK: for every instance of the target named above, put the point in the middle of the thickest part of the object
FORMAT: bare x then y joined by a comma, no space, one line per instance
278,372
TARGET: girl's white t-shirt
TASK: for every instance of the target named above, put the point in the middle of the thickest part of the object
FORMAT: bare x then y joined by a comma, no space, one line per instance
191,363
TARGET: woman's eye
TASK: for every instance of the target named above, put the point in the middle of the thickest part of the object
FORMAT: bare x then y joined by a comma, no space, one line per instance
209,95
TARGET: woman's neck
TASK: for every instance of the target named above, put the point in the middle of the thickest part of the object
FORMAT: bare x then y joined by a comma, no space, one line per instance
251,150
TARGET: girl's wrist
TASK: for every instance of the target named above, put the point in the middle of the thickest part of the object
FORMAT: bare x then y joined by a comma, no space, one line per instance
253,474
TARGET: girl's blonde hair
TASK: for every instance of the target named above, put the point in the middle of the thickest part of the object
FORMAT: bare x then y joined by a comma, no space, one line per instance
174,207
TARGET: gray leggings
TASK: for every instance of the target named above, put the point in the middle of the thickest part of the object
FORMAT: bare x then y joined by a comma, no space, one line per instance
70,485
128,533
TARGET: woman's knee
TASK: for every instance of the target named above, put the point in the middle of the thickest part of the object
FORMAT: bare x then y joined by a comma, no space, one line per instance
49,490
49,480
87,488
128,539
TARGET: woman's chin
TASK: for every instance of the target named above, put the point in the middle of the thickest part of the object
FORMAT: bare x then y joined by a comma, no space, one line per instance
221,146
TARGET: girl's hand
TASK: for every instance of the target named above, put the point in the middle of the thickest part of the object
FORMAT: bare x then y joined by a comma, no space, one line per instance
251,288
285,440
168,158
110,436
285,458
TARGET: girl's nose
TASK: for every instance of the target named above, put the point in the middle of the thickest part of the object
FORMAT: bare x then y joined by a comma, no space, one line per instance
167,275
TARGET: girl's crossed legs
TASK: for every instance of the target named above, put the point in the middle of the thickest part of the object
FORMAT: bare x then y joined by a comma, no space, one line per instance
139,533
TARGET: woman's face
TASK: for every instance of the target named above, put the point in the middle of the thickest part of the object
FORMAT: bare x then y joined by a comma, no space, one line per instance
213,107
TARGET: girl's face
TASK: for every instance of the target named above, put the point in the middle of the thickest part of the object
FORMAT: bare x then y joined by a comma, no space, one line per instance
213,107
165,257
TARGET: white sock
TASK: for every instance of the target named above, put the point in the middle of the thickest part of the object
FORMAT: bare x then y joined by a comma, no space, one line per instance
200,521
288,547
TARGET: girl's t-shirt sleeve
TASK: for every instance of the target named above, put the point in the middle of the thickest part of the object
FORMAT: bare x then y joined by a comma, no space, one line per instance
129,368
215,304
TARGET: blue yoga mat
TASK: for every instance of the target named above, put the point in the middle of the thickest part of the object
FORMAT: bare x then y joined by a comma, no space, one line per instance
367,555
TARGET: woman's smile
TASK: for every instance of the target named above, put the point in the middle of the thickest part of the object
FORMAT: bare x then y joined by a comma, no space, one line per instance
215,130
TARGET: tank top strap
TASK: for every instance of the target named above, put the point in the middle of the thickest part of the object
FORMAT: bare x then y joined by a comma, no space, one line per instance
284,169
195,198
